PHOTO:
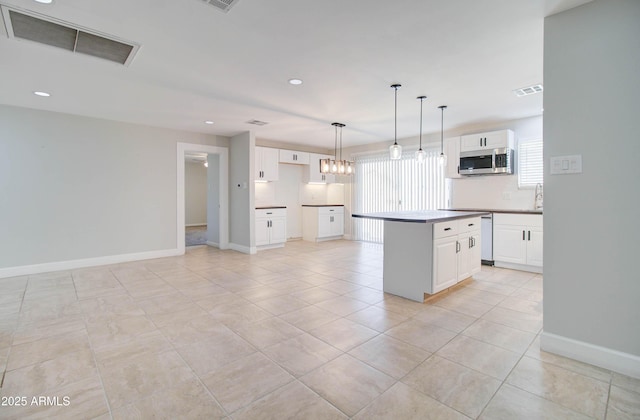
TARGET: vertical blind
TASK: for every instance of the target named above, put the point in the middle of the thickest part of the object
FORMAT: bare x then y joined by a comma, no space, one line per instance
530,163
382,184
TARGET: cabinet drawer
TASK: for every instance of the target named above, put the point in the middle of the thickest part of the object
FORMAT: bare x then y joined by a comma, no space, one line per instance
468,225
444,229
330,210
271,213
517,219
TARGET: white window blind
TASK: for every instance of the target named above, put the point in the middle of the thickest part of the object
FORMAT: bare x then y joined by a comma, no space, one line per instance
530,163
382,184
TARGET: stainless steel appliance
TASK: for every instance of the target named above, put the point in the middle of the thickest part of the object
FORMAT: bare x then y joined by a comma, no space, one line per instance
486,231
487,162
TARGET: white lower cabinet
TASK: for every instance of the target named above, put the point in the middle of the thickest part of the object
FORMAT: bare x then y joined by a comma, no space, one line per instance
270,227
322,223
517,241
456,252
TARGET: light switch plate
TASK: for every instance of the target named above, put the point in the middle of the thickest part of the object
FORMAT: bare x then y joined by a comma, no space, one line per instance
561,165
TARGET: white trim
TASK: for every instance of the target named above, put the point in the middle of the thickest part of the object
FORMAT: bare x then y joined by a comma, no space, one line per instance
196,224
242,248
521,267
213,244
223,152
87,262
625,363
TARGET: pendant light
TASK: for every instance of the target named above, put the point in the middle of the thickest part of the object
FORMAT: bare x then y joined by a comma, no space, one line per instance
337,165
420,154
442,159
395,151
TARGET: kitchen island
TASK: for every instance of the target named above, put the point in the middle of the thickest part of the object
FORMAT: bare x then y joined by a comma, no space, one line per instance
427,252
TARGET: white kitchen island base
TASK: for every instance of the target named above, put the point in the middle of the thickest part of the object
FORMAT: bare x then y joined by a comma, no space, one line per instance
428,252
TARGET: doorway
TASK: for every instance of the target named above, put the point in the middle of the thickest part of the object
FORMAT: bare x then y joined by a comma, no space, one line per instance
217,194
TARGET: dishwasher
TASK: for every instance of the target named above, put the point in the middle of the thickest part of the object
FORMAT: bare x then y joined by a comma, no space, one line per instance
486,231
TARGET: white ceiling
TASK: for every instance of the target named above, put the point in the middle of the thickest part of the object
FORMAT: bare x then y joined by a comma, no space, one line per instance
197,63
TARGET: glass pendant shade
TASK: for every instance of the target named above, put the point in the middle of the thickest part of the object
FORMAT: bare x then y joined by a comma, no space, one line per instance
325,166
334,167
442,159
395,151
421,155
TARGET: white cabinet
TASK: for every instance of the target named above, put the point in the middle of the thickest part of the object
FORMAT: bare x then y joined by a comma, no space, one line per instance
517,241
452,151
270,227
312,172
322,223
489,140
291,156
456,252
266,164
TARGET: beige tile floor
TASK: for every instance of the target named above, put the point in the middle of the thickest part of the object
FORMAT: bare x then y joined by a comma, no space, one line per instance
303,332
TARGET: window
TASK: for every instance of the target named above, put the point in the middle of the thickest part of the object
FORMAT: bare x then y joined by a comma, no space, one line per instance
382,184
530,163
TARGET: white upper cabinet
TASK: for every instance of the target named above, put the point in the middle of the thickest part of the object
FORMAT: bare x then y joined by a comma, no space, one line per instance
489,140
452,151
312,172
266,167
291,156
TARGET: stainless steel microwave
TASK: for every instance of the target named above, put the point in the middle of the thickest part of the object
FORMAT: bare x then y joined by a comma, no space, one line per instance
487,162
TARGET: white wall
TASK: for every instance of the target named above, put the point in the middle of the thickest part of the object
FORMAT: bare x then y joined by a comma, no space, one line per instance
77,188
591,280
195,193
213,200
241,192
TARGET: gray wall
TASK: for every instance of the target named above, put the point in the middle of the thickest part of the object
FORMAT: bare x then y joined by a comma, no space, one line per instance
213,199
195,193
241,191
75,187
591,91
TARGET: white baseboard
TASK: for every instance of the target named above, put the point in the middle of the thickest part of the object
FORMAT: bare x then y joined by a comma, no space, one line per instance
196,224
242,248
87,262
213,244
521,267
625,363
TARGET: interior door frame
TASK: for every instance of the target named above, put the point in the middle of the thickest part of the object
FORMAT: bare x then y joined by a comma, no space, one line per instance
223,153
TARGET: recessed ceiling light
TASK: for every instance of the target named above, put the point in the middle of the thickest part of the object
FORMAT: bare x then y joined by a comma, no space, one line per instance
295,81
45,94
44,1
208,122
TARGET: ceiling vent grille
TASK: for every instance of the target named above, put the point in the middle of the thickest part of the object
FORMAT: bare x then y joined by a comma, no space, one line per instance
257,122
224,5
64,35
529,90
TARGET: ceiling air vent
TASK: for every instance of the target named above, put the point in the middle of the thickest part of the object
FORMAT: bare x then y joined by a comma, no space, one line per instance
224,5
529,90
257,122
66,36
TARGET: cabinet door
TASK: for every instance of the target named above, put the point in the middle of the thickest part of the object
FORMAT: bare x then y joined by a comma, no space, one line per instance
464,257
324,225
445,266
509,244
472,142
278,232
452,151
262,231
270,164
496,139
312,172
534,246
258,163
475,257
337,224
292,156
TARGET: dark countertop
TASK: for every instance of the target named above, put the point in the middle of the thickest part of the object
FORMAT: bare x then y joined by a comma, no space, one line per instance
429,216
270,207
499,211
323,205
